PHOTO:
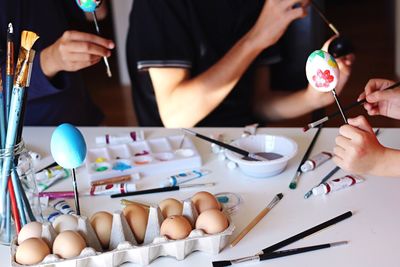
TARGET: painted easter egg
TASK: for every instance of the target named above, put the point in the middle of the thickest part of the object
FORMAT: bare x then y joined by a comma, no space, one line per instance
88,5
68,146
322,71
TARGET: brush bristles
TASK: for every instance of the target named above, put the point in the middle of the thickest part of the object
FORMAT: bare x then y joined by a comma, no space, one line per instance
28,39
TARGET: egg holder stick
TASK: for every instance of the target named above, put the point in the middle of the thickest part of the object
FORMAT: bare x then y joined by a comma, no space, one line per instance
321,14
295,180
76,194
109,74
355,104
266,252
227,146
257,219
23,70
339,106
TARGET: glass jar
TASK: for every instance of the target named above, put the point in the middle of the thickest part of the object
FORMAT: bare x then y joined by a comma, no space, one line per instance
22,175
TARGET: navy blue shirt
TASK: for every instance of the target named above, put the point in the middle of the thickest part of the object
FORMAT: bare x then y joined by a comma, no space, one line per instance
192,34
64,97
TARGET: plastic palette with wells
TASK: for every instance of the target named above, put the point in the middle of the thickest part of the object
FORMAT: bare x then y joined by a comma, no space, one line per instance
147,157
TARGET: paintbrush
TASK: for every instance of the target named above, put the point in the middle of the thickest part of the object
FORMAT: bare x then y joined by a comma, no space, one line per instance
295,180
277,254
2,116
269,250
161,190
258,218
355,104
9,67
227,146
321,14
24,65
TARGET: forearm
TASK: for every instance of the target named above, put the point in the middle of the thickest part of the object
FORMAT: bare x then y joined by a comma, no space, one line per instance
388,164
282,105
194,98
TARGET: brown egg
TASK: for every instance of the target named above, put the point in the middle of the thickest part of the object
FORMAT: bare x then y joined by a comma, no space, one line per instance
32,251
137,217
68,244
170,206
204,201
176,227
29,230
101,222
212,221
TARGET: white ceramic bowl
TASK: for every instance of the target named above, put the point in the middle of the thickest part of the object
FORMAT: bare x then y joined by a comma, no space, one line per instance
263,143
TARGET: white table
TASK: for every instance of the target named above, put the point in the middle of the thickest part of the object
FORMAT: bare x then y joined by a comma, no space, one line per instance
373,231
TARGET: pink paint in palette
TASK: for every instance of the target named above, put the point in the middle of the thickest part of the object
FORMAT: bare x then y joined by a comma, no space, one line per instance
146,157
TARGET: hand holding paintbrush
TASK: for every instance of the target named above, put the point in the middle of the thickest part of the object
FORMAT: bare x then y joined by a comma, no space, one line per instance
370,107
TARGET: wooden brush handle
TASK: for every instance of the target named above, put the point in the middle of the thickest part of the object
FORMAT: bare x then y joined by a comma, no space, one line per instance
250,226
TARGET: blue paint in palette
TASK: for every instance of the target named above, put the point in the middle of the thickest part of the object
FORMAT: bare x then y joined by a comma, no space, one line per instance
121,166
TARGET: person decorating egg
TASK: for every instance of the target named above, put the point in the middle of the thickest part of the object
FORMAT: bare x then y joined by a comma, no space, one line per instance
357,149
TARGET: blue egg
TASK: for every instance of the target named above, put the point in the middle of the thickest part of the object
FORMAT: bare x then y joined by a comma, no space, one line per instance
88,5
68,146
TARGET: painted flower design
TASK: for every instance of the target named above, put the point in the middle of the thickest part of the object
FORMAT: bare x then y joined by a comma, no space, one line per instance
323,78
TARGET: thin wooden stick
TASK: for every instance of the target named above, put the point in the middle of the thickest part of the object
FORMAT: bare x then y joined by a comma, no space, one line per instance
258,218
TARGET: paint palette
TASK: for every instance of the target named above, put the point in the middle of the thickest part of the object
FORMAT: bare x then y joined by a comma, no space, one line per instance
146,157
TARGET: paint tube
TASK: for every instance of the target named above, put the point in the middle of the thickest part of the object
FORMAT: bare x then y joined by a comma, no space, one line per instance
63,207
111,189
50,214
48,177
337,184
184,177
109,139
315,161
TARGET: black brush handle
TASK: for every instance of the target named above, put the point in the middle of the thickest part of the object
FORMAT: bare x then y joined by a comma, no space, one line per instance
310,148
289,252
148,191
307,232
360,102
222,144
221,263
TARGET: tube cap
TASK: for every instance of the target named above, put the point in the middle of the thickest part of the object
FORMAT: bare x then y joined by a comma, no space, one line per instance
319,190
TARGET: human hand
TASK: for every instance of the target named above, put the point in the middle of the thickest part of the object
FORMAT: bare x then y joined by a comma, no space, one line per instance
274,19
379,102
357,149
74,51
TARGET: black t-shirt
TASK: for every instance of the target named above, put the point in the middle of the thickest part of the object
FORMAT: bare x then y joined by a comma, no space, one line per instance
65,97
192,34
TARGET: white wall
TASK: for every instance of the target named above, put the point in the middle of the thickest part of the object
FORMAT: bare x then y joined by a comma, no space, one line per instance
121,10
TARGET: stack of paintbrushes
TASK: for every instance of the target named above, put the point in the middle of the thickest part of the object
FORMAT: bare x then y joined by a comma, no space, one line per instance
13,201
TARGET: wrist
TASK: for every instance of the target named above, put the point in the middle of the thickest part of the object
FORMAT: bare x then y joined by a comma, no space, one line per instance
386,163
318,99
48,66
253,38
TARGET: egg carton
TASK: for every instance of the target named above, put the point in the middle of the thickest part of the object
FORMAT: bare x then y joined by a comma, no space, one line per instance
146,157
123,246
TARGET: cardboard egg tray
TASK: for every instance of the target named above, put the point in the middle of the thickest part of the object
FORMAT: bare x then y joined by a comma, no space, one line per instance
146,157
124,248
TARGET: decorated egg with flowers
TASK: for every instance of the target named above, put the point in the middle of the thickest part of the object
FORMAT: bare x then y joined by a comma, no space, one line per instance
322,71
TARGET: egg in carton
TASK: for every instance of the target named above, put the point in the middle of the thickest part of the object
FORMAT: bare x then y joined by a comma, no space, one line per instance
123,246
